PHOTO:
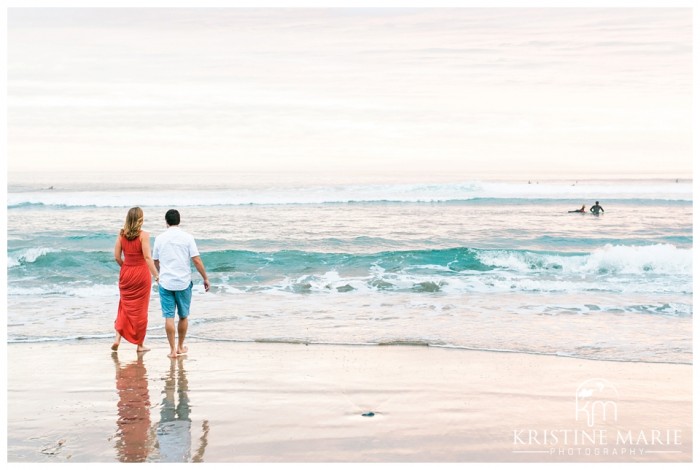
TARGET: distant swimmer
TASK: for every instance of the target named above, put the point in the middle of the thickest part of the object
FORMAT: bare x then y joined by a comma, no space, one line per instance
597,209
581,210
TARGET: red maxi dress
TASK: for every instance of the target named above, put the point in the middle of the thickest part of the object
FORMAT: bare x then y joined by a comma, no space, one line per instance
134,293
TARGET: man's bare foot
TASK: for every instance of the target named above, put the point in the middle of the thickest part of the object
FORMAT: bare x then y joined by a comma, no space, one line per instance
183,351
172,355
115,346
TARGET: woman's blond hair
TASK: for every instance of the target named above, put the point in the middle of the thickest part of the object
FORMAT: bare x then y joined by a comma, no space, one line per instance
133,223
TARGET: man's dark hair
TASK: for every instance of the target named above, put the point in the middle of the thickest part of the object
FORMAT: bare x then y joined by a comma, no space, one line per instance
172,217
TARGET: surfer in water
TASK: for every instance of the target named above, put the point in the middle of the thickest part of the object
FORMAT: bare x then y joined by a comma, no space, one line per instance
581,210
597,209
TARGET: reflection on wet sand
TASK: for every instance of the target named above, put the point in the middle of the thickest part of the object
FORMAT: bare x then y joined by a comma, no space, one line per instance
134,438
174,434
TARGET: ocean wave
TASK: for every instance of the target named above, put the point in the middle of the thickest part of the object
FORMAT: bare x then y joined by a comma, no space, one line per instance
612,268
29,255
610,259
473,192
41,205
61,260
128,201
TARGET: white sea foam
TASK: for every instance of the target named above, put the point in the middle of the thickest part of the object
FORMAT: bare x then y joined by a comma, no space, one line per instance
659,259
84,291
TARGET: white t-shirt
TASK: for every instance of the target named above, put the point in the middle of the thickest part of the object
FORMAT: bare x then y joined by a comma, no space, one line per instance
174,249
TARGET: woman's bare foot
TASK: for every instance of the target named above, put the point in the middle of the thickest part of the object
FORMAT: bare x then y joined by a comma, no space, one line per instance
117,340
142,348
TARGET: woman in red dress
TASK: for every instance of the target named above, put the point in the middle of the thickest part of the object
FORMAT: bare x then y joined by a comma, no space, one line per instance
134,280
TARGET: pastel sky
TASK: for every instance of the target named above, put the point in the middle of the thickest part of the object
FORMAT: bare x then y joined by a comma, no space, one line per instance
504,92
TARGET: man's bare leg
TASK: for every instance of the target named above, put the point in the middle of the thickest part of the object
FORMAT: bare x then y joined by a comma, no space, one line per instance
181,333
170,333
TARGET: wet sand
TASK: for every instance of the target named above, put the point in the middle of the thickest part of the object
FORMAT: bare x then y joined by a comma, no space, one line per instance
271,402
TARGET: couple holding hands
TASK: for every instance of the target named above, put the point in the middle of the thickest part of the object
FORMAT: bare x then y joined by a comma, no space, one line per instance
169,266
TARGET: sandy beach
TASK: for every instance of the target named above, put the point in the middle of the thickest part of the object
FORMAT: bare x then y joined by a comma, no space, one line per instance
273,402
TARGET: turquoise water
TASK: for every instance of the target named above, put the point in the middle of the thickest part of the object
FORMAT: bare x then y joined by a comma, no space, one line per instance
449,262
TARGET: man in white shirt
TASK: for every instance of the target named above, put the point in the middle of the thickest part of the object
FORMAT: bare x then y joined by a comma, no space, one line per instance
172,252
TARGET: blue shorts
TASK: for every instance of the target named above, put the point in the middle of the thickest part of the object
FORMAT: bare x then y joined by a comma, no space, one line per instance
169,299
